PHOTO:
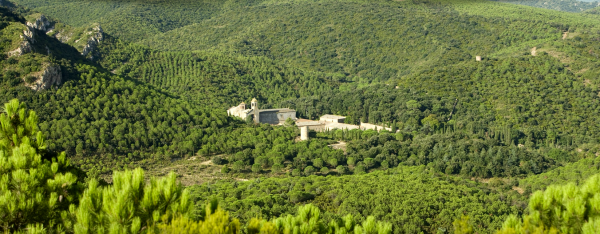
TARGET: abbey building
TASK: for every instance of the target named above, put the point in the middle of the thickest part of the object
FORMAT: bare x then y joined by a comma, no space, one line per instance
279,116
270,116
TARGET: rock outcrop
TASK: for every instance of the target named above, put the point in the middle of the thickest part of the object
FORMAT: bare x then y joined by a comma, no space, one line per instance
50,75
28,35
97,35
42,24
24,48
26,45
61,35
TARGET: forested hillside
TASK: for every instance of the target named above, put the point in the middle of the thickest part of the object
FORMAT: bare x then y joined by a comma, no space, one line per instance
559,5
42,193
593,11
95,113
216,79
359,41
530,93
412,199
141,19
119,85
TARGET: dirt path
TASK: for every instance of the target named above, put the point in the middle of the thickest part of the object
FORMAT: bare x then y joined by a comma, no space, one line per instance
533,51
224,178
565,34
519,190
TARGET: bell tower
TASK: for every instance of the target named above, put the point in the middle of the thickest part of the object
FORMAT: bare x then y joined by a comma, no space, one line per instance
254,105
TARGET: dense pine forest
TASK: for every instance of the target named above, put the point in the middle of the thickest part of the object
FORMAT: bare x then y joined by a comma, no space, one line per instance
113,116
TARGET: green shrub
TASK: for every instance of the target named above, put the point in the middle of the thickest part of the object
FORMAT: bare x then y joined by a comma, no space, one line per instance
218,160
342,170
256,168
30,79
12,60
225,169
309,170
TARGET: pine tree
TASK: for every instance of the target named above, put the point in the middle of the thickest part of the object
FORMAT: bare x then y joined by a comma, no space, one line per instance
33,190
560,209
215,221
130,204
309,221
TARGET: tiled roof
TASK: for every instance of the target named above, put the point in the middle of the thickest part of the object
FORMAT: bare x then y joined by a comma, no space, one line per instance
283,110
332,117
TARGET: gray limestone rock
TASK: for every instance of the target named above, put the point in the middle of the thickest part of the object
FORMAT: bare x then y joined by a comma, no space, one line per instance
41,24
93,41
24,48
50,75
26,45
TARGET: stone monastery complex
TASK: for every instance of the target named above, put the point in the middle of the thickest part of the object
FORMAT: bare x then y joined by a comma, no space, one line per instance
270,116
279,116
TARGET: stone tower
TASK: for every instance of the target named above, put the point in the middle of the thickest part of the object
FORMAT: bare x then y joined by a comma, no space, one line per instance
254,105
304,133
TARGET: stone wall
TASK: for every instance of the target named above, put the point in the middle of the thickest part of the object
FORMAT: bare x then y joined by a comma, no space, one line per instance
367,126
269,117
287,115
274,117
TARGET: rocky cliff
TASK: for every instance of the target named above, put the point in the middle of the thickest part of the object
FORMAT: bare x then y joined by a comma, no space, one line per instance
84,39
96,36
50,75
26,45
41,23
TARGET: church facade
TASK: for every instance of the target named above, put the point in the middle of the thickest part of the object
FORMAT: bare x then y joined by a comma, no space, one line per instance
269,116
